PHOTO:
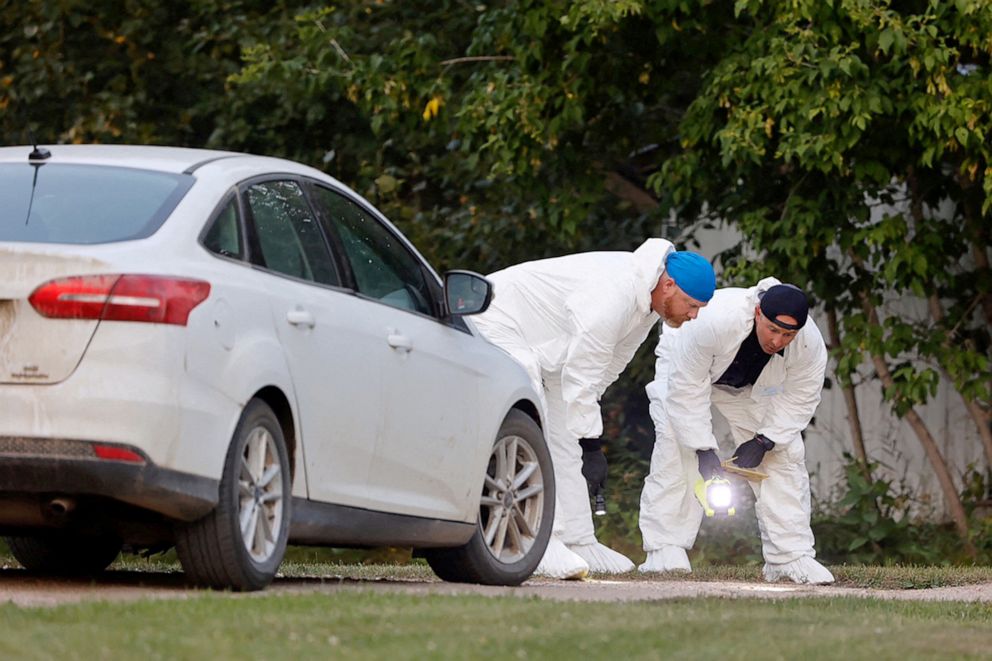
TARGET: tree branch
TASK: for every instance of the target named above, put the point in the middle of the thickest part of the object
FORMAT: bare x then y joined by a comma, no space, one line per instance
478,58
853,415
951,497
978,415
627,190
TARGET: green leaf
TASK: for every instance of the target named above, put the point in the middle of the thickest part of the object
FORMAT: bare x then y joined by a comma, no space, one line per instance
885,40
920,264
877,534
386,183
857,543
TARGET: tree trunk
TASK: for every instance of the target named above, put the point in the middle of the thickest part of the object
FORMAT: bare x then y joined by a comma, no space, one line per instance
853,415
978,414
982,267
983,415
951,497
984,423
979,241
625,189
979,251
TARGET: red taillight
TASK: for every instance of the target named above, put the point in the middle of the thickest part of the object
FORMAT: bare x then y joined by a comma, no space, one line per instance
150,298
117,453
81,297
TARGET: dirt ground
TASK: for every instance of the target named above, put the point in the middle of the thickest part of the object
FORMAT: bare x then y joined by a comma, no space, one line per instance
20,588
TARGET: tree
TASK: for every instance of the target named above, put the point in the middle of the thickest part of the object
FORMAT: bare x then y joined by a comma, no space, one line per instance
502,131
507,131
126,70
847,140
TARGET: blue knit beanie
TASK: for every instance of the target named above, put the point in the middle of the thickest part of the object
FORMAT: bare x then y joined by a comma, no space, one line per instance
692,273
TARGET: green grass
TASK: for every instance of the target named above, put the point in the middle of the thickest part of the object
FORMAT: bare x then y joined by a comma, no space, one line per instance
360,624
895,577
365,625
304,562
414,571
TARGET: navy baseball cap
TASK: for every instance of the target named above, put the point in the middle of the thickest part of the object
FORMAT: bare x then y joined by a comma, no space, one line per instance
788,300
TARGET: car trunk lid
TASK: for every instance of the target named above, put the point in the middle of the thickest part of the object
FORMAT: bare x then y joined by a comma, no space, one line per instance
33,348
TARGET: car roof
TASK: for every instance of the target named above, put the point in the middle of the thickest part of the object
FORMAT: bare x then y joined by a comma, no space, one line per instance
147,157
213,164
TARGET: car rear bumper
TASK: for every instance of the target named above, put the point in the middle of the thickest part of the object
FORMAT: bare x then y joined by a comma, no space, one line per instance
60,468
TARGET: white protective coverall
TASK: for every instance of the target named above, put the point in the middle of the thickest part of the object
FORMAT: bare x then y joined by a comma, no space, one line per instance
779,405
574,322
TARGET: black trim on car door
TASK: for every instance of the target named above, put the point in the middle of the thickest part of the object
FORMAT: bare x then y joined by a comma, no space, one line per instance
340,525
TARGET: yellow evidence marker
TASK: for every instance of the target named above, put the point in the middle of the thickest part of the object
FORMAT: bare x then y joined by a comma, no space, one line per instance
746,473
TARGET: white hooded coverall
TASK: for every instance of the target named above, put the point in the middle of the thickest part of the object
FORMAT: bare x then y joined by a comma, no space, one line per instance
574,322
779,405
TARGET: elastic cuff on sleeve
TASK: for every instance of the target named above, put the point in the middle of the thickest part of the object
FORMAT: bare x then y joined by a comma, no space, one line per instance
766,442
591,444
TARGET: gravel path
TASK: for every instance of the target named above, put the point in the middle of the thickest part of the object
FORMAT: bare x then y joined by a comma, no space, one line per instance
19,588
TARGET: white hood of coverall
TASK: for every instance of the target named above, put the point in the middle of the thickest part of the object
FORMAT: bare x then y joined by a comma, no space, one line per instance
583,316
693,357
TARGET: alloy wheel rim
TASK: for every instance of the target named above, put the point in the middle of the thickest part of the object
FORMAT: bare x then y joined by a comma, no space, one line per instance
260,495
512,500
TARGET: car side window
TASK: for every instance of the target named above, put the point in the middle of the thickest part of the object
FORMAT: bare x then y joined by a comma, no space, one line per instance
383,267
224,235
289,237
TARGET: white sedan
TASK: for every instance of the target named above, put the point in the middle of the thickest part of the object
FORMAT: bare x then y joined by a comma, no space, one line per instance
228,353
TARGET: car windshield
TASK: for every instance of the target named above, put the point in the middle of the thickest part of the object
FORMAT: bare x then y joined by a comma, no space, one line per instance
83,204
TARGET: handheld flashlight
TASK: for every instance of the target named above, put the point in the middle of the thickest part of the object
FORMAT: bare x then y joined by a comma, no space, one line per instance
600,508
715,495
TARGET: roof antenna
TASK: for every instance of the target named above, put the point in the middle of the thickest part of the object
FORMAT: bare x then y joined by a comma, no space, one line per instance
39,153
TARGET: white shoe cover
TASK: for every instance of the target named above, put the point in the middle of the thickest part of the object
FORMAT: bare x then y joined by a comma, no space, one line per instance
800,570
668,558
603,559
559,562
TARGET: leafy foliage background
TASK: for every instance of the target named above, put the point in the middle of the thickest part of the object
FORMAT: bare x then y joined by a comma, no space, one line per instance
847,140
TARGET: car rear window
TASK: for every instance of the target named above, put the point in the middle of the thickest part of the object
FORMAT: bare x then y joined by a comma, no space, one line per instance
83,204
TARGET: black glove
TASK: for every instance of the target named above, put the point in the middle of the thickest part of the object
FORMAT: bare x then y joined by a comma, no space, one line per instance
593,465
709,463
750,453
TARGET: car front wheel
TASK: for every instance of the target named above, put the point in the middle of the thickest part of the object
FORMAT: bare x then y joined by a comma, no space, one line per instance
516,512
241,543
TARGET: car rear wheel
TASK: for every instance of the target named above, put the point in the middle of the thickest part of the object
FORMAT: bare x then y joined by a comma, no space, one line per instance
241,543
516,512
64,553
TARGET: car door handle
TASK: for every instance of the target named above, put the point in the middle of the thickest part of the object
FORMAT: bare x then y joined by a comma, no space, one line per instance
300,317
399,342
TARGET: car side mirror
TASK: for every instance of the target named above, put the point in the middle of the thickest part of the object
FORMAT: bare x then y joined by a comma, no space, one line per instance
466,293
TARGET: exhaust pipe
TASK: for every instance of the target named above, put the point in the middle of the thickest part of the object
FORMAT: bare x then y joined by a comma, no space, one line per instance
61,506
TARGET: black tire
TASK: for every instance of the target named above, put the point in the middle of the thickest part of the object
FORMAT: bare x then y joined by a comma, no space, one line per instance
64,553
492,562
214,551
